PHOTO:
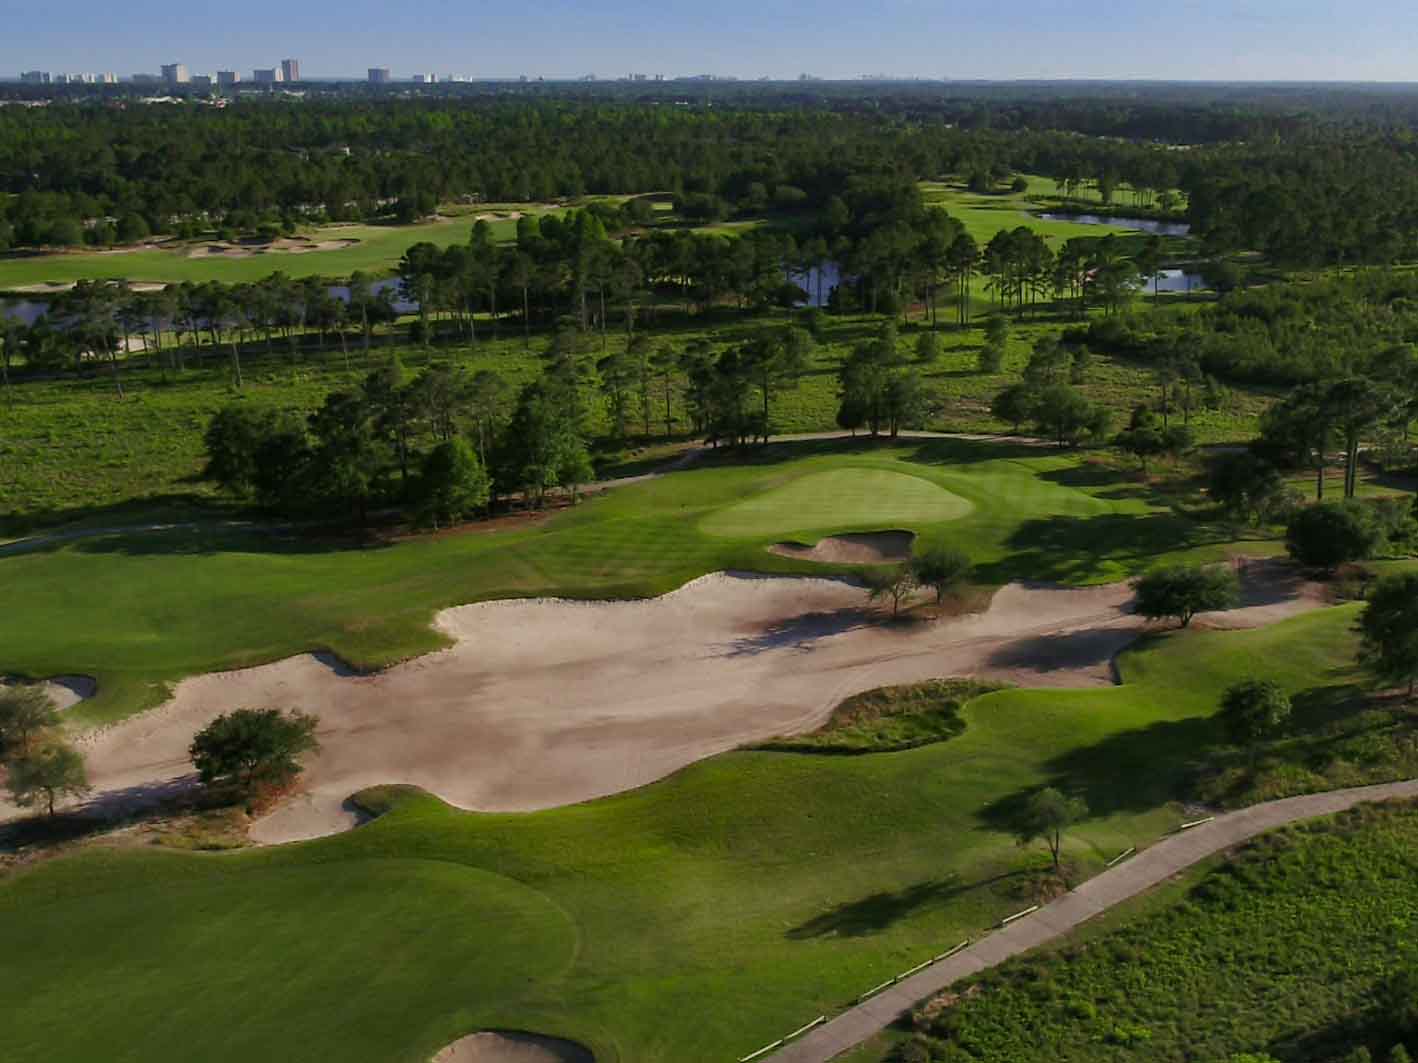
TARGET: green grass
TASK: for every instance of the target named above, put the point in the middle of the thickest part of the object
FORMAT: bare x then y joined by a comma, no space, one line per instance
703,916
840,499
189,602
69,449
1281,951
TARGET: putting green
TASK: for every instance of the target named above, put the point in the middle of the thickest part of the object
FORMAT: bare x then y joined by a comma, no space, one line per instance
837,500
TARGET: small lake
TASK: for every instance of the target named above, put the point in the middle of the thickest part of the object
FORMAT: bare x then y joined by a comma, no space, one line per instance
26,311
1177,280
1144,225
818,282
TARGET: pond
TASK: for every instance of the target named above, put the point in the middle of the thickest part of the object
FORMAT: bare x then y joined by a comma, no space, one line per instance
1177,280
1145,225
818,282
26,311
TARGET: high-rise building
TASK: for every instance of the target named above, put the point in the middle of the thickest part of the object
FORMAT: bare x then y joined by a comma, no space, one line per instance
266,77
425,79
290,69
379,75
35,77
175,73
108,79
227,78
203,82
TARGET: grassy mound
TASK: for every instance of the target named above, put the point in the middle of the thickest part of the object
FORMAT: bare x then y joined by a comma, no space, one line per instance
842,498
1279,952
891,719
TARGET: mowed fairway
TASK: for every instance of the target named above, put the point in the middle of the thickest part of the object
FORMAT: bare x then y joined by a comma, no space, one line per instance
710,913
838,500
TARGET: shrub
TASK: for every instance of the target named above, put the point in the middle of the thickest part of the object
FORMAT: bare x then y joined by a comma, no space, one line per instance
1182,591
250,747
1253,709
1331,534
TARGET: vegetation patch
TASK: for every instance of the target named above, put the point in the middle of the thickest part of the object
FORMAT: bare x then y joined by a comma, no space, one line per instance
891,719
1283,952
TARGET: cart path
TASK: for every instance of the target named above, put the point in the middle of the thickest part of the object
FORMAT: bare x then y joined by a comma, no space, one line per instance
1153,865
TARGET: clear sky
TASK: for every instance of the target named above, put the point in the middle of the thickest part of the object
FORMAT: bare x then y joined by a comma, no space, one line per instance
1358,40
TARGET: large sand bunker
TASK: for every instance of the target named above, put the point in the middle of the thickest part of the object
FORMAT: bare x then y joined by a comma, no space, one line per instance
869,548
542,703
513,1048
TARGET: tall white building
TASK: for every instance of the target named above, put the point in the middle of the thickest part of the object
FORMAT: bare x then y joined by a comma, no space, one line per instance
379,75
227,78
266,77
35,77
175,73
290,69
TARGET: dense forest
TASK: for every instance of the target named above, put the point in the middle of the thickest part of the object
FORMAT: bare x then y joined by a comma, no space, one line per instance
86,172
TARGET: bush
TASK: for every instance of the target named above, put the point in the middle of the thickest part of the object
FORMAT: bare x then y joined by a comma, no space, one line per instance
1331,534
251,747
1253,709
1182,591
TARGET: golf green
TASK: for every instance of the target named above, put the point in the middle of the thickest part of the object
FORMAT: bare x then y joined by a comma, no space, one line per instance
837,500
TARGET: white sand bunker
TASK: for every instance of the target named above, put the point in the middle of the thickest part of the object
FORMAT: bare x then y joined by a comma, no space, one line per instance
870,548
513,1048
543,703
65,691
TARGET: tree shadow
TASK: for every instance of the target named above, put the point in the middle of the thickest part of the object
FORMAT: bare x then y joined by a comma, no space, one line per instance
971,451
1065,549
878,912
801,633
103,813
1071,651
1129,772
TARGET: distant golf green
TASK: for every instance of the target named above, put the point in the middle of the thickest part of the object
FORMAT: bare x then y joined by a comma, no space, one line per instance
839,500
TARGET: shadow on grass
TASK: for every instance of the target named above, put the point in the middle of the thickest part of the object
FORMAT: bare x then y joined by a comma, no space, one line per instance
1130,772
1077,549
880,911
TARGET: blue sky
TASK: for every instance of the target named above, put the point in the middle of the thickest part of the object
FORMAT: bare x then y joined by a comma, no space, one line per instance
1365,40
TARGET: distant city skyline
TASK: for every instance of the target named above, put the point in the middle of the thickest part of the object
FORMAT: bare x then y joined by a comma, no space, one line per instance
1256,40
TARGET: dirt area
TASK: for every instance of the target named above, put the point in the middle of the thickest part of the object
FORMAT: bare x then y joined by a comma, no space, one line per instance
542,703
57,288
512,1048
872,548
65,691
295,245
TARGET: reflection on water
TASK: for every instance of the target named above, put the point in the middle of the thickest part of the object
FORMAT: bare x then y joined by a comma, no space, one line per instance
1144,225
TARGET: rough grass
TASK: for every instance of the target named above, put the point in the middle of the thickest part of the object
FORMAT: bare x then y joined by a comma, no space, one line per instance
694,919
890,719
191,601
1280,951
71,450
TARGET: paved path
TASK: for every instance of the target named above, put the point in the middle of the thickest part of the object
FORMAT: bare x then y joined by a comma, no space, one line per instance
1153,865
